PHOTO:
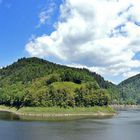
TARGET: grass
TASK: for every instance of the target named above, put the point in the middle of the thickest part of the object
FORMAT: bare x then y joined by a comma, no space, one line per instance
59,114
67,85
57,110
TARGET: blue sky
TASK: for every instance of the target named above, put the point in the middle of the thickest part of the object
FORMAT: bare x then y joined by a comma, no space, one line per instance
102,36
18,22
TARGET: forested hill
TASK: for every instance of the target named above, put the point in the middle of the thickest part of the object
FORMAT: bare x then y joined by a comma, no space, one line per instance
27,69
37,82
130,89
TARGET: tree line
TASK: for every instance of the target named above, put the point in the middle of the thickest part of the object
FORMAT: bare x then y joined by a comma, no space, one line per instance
31,82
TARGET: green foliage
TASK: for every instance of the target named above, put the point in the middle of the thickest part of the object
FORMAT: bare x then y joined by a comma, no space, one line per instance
12,94
36,82
130,90
91,96
53,78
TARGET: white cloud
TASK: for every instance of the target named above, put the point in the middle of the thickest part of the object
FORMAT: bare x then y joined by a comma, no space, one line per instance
130,73
46,13
100,35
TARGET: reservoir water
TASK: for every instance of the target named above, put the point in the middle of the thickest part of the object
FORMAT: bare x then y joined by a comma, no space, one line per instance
124,126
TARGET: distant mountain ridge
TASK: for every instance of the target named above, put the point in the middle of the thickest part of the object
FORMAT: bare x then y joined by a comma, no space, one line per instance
130,89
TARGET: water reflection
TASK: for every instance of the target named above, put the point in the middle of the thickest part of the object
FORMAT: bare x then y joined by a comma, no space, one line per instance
125,126
11,116
8,116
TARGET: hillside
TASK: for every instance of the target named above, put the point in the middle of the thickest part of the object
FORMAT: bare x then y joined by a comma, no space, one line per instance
37,82
130,89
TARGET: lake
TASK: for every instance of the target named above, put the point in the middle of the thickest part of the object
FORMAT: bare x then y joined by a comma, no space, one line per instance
125,126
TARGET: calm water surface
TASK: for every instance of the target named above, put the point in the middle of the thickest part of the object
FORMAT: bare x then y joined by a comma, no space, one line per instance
125,126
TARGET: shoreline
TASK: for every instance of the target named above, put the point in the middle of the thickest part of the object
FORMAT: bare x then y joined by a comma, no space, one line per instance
125,107
66,115
75,112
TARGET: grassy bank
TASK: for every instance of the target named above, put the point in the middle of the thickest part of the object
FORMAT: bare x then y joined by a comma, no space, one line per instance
56,111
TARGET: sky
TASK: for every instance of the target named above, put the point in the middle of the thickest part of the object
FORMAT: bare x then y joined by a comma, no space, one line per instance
100,35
